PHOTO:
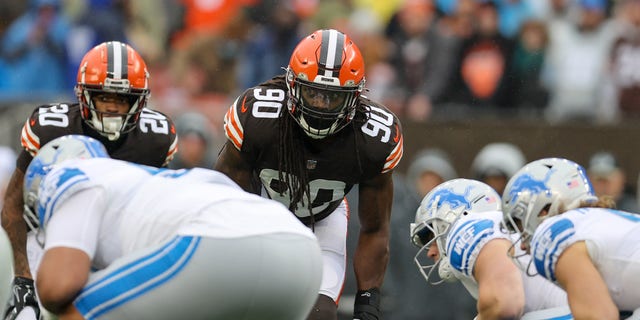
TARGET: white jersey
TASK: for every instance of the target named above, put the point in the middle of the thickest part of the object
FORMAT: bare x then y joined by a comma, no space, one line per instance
612,238
112,199
465,241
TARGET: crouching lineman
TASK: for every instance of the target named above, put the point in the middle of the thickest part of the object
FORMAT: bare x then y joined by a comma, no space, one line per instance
458,226
166,244
576,239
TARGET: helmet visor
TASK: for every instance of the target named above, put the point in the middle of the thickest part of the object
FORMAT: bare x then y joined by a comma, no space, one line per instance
323,107
323,100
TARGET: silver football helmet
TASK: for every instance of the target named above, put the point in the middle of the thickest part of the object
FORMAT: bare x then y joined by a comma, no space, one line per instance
52,153
552,184
438,211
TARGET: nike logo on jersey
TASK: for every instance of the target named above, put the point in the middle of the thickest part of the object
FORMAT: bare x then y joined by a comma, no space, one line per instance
243,108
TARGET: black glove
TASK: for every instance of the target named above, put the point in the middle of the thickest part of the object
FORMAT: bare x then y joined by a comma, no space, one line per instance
24,295
367,305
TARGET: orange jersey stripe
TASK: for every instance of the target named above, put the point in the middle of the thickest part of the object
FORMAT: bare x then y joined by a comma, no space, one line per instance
29,139
395,156
229,129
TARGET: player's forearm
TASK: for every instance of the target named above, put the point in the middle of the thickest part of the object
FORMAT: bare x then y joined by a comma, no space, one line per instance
370,260
14,225
16,231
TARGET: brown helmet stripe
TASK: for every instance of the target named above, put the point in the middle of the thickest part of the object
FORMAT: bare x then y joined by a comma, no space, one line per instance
117,60
331,50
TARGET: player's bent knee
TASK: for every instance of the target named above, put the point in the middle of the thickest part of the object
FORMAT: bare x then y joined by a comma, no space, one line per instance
324,309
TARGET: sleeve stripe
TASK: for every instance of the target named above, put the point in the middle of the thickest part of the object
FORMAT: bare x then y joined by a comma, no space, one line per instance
29,140
232,127
172,151
394,158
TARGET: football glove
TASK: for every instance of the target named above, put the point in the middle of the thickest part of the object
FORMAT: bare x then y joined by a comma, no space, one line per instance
367,305
24,296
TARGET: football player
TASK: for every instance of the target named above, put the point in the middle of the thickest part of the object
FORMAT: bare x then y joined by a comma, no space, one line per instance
127,241
458,226
576,240
307,137
113,91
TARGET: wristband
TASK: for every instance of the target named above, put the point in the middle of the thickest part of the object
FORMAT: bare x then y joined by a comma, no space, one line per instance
367,304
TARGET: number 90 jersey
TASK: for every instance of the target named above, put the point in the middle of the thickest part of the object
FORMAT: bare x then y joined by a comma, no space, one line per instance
153,142
369,146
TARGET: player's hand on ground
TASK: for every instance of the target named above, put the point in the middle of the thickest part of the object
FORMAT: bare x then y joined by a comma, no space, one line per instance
23,303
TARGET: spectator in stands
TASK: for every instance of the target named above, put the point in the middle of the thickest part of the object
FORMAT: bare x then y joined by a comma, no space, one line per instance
512,14
578,51
201,78
421,56
95,22
206,18
482,70
33,48
530,95
622,85
609,179
196,143
274,35
496,162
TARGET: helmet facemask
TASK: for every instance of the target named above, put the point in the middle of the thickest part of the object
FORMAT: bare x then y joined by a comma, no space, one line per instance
111,124
439,210
321,109
424,235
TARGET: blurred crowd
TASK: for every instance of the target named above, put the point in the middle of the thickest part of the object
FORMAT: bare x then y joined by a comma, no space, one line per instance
555,60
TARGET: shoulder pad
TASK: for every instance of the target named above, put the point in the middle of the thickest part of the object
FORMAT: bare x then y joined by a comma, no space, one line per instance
259,108
552,237
383,131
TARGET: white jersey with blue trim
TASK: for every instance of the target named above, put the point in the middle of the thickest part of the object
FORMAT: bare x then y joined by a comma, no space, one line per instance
464,243
612,238
465,240
124,207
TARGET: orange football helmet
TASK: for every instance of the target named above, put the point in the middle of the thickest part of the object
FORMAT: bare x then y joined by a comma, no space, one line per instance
112,67
325,77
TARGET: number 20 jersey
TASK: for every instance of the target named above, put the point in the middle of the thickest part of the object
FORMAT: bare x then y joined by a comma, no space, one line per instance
358,152
153,142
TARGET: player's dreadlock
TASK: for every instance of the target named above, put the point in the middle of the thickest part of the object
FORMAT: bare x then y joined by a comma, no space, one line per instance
291,159
291,163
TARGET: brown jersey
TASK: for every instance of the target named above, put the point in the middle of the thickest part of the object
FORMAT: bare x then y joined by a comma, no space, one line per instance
625,57
364,149
153,142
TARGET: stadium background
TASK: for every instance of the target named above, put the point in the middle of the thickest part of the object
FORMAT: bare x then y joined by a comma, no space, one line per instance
203,53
